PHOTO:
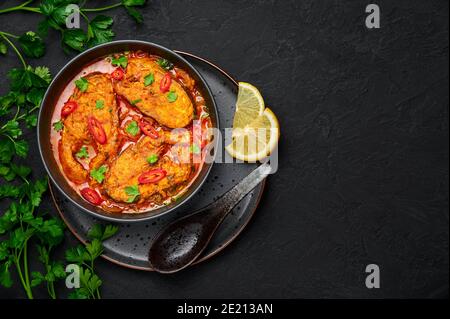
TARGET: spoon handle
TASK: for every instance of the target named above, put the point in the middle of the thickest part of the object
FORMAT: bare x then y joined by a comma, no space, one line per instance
234,195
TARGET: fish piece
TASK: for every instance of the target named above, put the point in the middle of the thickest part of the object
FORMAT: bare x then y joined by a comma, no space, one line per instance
149,99
97,101
132,162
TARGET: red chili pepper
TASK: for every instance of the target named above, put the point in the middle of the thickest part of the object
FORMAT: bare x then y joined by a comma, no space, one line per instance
91,196
117,74
152,176
68,108
148,129
96,130
165,83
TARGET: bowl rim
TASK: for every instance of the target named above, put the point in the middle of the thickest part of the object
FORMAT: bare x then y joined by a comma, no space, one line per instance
130,218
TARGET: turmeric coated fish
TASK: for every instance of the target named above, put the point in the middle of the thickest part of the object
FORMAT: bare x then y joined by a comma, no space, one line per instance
90,119
136,163
153,91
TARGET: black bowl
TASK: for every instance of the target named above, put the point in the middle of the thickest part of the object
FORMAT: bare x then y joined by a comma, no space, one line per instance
57,86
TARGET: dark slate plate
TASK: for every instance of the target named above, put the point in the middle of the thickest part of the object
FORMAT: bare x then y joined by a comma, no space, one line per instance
129,247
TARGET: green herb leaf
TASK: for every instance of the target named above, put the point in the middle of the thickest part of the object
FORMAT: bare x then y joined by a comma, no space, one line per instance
7,150
121,61
35,96
82,84
100,28
21,170
80,293
58,126
82,153
101,232
38,278
165,64
32,44
110,230
149,79
133,192
195,149
99,173
136,15
134,102
31,120
131,3
44,73
94,248
21,148
90,280
36,190
132,128
172,96
5,275
27,78
3,48
77,254
51,232
12,129
75,39
152,159
99,104
9,190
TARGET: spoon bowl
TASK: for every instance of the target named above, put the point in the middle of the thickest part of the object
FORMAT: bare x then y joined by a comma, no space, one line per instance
182,242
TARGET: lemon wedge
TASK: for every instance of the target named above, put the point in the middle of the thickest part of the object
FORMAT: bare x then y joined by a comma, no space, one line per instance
255,128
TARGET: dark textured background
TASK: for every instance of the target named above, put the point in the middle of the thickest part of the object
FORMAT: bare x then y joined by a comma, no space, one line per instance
363,172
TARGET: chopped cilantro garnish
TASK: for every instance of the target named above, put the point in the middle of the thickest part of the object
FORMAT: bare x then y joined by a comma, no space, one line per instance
132,128
149,79
120,61
152,159
99,104
165,64
82,153
134,102
58,126
172,96
133,192
99,173
82,84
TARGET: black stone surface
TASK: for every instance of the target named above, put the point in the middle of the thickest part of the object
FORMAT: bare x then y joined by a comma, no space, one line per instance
363,174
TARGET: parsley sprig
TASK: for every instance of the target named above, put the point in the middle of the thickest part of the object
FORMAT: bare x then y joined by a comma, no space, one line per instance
22,222
97,31
85,257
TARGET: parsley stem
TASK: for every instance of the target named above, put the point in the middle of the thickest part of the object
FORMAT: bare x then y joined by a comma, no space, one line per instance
85,17
25,270
23,115
17,113
26,286
10,35
102,8
31,9
2,34
19,7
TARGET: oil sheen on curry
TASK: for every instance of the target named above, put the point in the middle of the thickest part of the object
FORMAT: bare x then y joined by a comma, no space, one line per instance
129,132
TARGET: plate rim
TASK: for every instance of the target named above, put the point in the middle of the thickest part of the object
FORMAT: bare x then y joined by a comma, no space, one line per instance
209,255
